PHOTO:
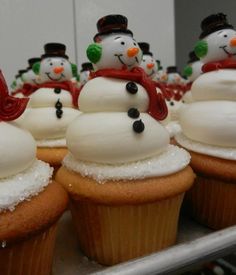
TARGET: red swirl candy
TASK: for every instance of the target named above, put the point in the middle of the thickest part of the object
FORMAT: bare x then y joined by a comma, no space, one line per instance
10,107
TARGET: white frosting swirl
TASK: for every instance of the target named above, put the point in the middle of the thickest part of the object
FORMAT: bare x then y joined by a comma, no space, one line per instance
46,97
215,85
110,95
211,122
44,124
17,150
109,138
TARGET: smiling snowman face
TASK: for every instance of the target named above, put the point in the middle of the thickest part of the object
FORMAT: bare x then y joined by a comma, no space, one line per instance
218,46
117,51
55,69
30,77
149,65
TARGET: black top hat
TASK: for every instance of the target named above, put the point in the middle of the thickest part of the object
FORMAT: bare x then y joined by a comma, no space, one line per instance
192,57
213,23
145,48
87,66
33,60
54,50
20,72
111,24
171,69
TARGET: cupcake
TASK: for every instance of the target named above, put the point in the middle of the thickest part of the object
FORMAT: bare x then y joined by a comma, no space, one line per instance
126,183
30,204
208,126
53,103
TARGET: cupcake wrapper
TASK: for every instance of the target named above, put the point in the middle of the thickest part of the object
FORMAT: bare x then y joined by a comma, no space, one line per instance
32,256
113,234
212,202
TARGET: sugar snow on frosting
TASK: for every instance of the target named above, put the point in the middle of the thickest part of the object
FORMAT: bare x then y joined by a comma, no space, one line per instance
22,186
206,149
173,127
51,142
172,160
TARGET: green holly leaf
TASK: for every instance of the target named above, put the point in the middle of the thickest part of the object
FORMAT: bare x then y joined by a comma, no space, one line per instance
94,52
201,48
13,85
188,71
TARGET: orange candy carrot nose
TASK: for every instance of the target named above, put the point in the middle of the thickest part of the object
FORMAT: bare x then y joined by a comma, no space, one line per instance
233,42
150,65
58,70
131,52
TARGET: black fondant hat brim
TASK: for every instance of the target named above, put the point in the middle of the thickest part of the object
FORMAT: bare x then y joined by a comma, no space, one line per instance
112,31
46,55
215,29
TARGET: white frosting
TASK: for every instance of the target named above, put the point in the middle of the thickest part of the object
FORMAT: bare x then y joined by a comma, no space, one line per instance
174,108
206,149
24,185
17,150
51,143
210,122
215,85
45,97
109,138
172,160
109,94
188,97
173,127
44,124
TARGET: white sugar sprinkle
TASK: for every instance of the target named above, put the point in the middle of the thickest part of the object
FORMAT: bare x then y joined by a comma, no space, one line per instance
51,142
24,185
206,149
170,161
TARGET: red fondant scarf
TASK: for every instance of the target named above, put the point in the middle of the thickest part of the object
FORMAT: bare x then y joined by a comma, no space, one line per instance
69,86
157,105
228,63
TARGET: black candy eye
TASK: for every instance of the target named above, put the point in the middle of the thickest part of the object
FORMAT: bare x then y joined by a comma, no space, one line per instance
225,35
172,103
62,64
122,43
50,64
135,44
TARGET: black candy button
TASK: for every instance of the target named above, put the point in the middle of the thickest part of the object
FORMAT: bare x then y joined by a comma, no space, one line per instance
138,126
57,90
58,104
133,113
131,87
172,103
59,113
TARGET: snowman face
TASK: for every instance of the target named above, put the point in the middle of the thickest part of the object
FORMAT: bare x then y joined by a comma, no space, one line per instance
84,77
174,78
149,65
119,50
30,77
55,69
196,70
221,45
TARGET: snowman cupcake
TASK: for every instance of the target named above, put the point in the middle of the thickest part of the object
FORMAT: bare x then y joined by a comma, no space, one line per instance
87,67
192,71
30,204
209,125
53,103
125,181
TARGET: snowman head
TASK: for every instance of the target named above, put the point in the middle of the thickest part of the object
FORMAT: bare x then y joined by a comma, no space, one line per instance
54,65
194,67
148,63
218,39
173,77
115,47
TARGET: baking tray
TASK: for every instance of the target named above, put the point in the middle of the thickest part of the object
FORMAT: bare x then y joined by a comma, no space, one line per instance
196,244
